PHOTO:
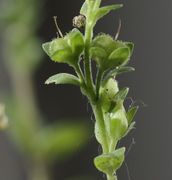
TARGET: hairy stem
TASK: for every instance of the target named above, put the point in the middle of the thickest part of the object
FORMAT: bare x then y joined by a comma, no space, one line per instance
101,126
87,60
112,177
79,72
98,82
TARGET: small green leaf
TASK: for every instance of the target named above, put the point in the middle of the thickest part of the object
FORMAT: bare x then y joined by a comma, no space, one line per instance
118,57
130,128
111,162
67,49
121,95
106,9
84,9
97,133
105,42
118,124
117,53
98,54
75,40
117,71
118,129
124,69
59,51
63,78
90,6
131,113
46,48
57,45
130,45
63,56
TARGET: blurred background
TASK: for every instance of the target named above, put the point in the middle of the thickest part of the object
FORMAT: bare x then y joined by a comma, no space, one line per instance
37,113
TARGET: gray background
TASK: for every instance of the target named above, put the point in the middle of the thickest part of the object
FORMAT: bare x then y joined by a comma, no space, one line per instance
148,24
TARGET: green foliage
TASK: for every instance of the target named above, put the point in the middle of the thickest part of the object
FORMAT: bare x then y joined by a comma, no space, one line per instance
118,123
131,113
117,71
66,50
3,118
109,53
41,145
109,163
91,10
58,141
19,33
63,78
113,122
121,95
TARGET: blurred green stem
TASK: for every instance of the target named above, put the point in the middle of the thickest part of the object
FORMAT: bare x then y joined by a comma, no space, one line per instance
24,94
39,171
111,177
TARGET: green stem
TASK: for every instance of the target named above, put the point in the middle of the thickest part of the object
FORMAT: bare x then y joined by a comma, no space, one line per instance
101,126
87,60
23,92
79,73
98,82
39,171
112,177
112,145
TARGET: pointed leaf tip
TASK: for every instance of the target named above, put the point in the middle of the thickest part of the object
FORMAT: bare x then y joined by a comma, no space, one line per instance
119,56
121,95
106,9
131,113
46,48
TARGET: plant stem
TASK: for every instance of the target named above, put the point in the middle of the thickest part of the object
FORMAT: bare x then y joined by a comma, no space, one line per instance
101,126
87,60
39,171
79,73
112,177
23,93
98,82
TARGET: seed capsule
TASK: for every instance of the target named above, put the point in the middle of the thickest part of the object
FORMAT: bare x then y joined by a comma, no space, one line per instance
79,21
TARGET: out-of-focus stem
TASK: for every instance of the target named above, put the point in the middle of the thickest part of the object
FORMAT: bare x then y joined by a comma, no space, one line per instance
38,171
112,177
23,92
